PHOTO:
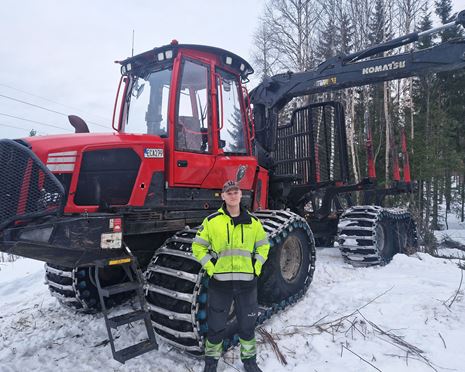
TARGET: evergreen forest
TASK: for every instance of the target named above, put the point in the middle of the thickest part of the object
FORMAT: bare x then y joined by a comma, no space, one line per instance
297,35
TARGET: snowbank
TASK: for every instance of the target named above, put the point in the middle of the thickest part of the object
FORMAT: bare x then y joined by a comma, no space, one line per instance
407,316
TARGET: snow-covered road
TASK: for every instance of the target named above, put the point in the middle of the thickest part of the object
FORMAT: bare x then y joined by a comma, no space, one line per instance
407,316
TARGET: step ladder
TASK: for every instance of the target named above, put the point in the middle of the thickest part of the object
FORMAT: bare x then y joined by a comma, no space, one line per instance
134,283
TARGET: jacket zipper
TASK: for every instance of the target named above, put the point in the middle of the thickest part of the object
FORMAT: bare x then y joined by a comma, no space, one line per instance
227,228
242,233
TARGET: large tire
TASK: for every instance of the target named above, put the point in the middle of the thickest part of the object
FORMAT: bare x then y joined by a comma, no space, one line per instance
372,235
407,241
177,287
75,288
385,234
396,236
288,268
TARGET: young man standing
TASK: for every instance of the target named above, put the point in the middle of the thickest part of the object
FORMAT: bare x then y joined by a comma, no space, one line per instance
232,247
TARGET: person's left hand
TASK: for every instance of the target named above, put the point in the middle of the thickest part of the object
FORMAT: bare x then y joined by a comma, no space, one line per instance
257,268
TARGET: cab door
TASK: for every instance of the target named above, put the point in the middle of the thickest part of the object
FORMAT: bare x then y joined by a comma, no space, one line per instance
192,155
234,160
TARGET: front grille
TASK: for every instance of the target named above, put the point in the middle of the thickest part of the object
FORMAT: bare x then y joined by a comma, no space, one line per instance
27,188
107,177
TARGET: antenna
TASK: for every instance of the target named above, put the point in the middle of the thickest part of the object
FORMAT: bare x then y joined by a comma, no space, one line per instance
132,51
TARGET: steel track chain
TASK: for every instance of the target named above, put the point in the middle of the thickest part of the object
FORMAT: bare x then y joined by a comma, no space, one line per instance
179,308
71,287
360,240
75,289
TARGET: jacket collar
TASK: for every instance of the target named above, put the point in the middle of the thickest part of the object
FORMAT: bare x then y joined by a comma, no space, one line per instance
243,218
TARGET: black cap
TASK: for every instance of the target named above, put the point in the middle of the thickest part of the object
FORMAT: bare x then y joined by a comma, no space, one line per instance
230,185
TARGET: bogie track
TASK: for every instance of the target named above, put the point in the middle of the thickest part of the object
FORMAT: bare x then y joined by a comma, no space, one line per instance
75,288
177,286
371,235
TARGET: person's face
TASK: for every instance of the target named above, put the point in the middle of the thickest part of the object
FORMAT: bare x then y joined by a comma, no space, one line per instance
232,198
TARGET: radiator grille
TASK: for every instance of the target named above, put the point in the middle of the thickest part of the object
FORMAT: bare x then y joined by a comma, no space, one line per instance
27,188
107,177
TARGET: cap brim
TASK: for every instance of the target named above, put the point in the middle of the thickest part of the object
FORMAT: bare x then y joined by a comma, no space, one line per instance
231,188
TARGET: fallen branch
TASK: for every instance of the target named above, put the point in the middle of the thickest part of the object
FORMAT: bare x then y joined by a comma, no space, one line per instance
104,342
458,290
448,257
395,338
229,364
444,342
366,361
337,322
269,339
448,242
188,368
402,344
305,325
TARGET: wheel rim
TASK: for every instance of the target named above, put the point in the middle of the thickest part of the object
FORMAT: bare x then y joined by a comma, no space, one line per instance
403,238
291,259
380,241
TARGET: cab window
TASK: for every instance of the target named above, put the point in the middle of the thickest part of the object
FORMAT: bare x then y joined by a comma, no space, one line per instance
231,121
192,119
148,109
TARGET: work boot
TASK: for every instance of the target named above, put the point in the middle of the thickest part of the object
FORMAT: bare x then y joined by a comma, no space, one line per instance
210,364
250,365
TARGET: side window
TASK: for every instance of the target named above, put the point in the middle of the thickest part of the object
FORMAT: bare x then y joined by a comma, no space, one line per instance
231,121
148,110
192,119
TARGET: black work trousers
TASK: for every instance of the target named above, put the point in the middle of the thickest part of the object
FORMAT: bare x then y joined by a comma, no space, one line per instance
220,297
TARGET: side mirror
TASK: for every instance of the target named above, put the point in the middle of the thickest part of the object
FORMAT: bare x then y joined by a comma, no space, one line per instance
138,89
222,144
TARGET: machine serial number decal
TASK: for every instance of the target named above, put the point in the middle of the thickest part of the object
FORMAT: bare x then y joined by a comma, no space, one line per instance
326,82
153,153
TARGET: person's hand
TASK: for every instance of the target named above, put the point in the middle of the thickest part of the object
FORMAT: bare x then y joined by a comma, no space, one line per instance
210,268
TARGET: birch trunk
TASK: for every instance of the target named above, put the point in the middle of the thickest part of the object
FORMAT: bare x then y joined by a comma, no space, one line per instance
351,138
387,119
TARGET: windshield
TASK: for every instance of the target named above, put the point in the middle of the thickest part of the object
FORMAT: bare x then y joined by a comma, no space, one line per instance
148,109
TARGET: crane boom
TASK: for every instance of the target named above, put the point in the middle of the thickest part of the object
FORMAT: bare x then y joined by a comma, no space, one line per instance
356,69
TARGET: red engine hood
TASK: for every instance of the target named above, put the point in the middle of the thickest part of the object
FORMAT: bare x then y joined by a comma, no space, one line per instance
64,153
43,145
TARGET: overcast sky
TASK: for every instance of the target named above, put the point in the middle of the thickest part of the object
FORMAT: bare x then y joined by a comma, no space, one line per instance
63,51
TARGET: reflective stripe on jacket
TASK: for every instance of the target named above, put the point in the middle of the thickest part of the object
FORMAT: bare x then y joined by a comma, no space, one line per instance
233,248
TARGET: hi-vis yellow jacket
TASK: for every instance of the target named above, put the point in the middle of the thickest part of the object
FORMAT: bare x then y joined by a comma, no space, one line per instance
239,250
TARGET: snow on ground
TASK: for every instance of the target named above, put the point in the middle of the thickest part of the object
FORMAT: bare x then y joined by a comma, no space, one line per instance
406,316
455,231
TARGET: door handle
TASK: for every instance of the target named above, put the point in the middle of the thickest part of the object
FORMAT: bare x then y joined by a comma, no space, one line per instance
182,163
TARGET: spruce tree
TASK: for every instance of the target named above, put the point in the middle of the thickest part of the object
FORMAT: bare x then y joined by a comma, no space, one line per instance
451,98
236,131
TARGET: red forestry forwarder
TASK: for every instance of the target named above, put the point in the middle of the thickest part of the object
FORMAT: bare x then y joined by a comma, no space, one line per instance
97,208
